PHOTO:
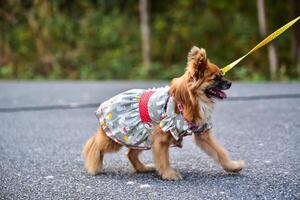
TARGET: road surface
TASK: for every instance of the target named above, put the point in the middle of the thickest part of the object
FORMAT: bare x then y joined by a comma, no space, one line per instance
44,125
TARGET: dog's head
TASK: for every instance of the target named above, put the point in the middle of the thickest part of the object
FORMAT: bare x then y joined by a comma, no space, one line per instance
201,82
205,77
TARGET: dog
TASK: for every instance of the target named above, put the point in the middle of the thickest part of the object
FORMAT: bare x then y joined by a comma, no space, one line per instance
159,118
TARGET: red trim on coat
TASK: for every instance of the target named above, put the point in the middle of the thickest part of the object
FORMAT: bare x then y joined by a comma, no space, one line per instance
143,106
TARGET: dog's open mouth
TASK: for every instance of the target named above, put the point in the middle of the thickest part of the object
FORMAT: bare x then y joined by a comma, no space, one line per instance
215,93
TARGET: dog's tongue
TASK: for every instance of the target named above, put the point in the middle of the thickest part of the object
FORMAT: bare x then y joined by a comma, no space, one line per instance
220,93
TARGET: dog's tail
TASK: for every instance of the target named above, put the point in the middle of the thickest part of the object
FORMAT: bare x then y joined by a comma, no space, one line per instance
94,150
92,154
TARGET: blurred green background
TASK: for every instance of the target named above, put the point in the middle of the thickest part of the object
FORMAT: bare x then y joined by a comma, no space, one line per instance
102,39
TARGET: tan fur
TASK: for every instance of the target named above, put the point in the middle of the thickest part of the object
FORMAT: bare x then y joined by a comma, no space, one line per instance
207,142
94,150
133,156
160,149
189,91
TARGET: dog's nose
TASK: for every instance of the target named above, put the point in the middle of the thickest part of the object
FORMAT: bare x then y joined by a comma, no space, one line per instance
228,84
225,85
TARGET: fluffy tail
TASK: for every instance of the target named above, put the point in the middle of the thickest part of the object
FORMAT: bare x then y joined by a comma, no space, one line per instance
93,155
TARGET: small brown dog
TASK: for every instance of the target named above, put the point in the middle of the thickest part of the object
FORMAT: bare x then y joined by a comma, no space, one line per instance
159,118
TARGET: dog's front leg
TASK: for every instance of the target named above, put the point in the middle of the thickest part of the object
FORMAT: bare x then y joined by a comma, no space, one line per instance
208,143
160,149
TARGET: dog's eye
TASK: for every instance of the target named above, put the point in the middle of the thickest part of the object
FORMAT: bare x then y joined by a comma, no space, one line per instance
217,78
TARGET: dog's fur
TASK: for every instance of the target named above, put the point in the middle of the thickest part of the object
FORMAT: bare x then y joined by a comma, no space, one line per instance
189,90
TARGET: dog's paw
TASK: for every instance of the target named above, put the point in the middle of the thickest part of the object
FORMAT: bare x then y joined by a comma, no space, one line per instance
171,175
150,167
146,168
93,169
235,166
93,172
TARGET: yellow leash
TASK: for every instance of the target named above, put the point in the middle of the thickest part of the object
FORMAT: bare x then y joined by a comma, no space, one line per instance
261,44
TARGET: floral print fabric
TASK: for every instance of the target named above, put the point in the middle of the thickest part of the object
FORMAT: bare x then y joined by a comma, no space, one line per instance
120,118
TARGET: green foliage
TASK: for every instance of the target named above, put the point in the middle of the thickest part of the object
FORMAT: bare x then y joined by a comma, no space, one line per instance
100,39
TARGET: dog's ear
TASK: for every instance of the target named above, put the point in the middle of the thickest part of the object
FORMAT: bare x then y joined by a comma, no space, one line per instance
196,62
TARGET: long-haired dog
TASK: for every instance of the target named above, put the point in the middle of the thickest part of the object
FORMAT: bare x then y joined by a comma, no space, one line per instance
159,118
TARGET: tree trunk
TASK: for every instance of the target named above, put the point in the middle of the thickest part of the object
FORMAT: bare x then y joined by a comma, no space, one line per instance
298,62
145,33
294,42
273,62
295,49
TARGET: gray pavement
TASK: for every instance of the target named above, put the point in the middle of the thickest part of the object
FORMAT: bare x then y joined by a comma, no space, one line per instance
40,151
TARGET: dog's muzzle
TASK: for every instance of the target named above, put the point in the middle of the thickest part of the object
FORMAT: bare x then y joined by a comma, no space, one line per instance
224,85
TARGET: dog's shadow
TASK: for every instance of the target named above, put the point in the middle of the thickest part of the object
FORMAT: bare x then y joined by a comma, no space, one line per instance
191,176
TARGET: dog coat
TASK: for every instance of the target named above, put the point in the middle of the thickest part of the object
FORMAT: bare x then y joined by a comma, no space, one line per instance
129,117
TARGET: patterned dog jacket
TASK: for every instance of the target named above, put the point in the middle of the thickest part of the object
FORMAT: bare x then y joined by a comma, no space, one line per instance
129,118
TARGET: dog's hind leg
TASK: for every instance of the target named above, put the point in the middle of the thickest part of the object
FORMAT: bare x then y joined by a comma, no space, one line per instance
207,142
94,150
133,156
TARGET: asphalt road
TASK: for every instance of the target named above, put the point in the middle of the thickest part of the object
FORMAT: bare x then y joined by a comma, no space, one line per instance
40,149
